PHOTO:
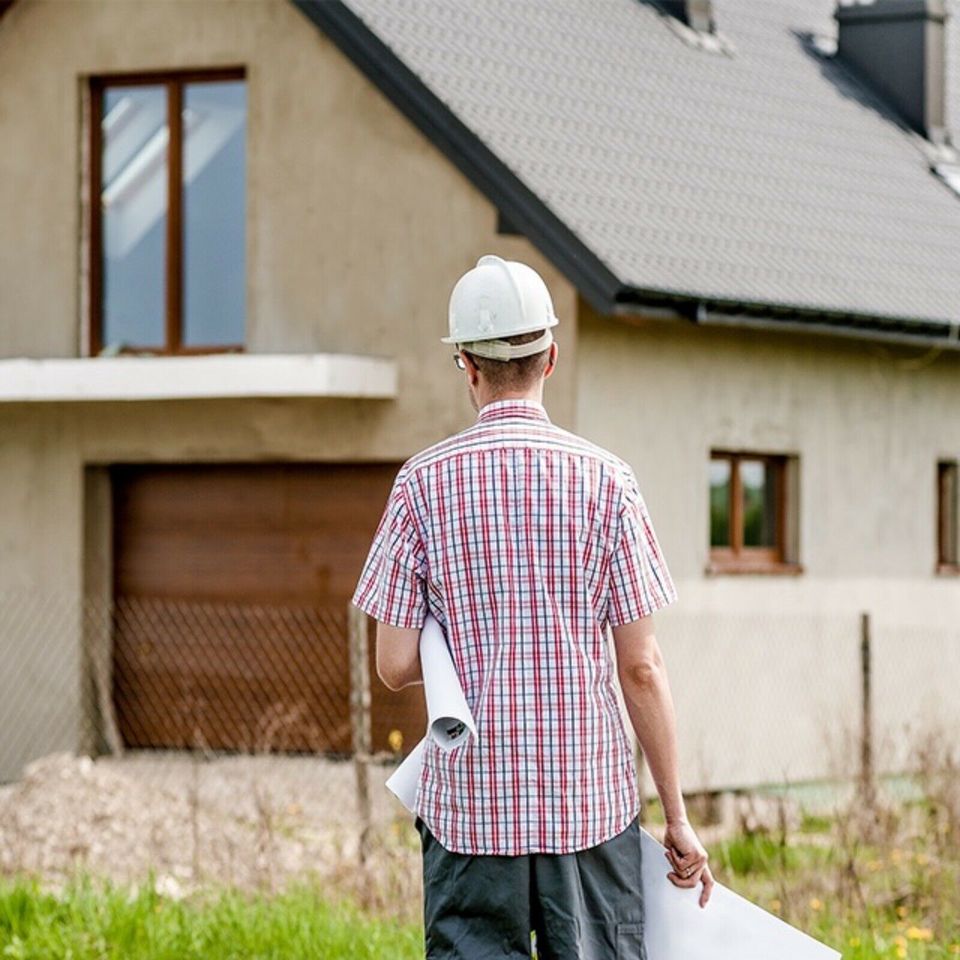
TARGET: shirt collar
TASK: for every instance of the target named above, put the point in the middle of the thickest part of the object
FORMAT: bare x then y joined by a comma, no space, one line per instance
513,408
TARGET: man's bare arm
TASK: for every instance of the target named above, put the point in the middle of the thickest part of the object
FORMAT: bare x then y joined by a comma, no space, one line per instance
398,656
646,692
649,703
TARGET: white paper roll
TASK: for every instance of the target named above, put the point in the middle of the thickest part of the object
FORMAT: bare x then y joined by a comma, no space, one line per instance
729,927
405,779
449,720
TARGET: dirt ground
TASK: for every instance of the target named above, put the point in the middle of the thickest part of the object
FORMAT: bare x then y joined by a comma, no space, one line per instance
250,822
255,823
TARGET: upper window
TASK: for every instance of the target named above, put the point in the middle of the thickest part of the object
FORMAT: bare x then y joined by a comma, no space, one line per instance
948,488
752,513
168,163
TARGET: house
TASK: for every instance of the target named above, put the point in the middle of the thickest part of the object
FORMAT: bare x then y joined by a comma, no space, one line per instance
229,234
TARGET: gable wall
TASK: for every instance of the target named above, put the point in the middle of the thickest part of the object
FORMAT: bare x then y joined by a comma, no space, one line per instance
357,226
357,229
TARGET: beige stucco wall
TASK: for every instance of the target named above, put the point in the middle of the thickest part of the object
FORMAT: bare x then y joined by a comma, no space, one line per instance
357,229
357,225
765,669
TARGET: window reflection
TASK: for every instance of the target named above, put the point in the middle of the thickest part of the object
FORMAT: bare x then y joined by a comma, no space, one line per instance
719,503
214,213
759,503
134,214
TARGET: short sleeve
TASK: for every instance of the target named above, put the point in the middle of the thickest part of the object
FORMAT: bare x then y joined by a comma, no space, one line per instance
392,584
639,579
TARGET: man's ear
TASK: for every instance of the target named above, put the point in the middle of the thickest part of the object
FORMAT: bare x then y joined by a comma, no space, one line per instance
552,359
473,371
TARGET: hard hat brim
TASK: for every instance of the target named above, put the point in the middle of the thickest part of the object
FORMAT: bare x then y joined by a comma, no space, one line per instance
502,350
499,336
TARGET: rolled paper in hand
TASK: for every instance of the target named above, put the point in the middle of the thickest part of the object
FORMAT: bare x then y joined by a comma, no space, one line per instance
449,720
729,927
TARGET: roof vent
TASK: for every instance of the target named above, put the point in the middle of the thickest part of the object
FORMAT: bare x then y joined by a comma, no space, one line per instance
696,14
898,47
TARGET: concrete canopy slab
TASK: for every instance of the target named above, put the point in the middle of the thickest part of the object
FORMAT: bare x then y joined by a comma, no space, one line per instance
195,377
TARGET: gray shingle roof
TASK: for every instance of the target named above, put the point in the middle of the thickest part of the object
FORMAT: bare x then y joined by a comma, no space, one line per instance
771,176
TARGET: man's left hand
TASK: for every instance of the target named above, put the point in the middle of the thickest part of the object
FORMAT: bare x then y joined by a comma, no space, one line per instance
688,858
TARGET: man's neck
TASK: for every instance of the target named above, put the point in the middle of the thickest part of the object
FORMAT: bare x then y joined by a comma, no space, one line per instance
485,398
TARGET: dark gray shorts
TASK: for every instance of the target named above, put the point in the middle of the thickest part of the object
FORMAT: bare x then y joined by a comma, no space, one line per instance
586,905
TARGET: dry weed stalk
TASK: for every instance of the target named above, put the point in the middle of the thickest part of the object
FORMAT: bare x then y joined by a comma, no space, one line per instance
938,773
390,881
782,844
193,807
265,847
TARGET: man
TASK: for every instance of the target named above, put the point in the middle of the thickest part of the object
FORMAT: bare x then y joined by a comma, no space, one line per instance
526,541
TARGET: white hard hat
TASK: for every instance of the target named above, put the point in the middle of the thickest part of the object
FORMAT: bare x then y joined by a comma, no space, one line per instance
500,298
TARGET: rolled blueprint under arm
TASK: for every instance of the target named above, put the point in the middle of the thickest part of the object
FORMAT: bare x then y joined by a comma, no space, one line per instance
449,720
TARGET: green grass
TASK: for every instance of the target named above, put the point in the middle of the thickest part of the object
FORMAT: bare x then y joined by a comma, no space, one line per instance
753,854
94,920
814,823
870,903
895,898
894,895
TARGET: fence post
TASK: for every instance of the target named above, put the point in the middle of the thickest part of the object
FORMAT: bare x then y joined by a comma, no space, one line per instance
867,783
98,650
360,719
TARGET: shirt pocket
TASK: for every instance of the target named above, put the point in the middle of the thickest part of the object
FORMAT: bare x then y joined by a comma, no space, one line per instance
630,942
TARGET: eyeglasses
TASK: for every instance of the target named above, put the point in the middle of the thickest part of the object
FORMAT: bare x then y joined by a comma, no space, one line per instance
458,360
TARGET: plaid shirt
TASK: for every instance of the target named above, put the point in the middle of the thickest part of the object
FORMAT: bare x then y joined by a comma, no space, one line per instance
524,541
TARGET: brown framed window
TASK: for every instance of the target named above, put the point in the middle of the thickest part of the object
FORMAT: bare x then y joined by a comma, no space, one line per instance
752,513
167,221
948,516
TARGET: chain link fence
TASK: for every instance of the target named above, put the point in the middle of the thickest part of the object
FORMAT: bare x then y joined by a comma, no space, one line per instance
237,744
208,742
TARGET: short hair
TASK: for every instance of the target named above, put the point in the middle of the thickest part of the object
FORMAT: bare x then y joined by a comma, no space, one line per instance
518,373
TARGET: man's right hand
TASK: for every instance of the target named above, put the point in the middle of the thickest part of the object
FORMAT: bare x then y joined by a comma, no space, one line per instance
688,858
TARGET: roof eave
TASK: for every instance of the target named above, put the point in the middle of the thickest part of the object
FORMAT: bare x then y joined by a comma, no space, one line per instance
706,311
527,212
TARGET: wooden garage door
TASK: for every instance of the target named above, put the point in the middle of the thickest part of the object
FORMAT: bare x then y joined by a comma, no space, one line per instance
231,590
